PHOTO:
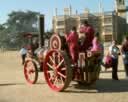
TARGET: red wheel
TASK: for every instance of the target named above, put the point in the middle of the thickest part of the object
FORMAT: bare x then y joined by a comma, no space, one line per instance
30,71
57,71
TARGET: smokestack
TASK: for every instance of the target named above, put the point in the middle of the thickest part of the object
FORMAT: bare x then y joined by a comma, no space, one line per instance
41,31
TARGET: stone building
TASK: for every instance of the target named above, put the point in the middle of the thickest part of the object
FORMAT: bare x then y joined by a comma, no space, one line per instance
110,25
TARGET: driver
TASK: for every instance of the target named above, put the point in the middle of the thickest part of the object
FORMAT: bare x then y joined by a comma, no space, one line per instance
88,32
72,40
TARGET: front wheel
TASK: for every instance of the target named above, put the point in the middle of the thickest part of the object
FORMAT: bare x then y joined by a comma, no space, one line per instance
57,71
30,71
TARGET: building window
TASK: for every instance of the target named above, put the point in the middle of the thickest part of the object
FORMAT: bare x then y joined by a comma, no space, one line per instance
108,38
121,2
59,23
108,20
108,29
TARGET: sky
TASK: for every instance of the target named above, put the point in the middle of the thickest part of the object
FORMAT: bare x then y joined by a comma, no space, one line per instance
47,7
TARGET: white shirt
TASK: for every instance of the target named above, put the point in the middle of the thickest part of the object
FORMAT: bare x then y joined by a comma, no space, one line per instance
114,51
23,51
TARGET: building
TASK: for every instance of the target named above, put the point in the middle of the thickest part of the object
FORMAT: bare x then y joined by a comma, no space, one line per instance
110,25
64,23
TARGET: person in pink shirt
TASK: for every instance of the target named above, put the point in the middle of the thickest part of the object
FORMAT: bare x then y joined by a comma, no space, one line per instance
72,40
89,35
96,46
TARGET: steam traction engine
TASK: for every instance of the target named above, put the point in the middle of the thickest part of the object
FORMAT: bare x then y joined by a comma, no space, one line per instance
57,67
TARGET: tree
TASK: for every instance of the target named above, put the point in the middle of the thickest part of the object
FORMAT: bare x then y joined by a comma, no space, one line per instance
17,23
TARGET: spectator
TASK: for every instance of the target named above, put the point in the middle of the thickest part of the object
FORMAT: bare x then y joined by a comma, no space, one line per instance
124,50
114,52
23,53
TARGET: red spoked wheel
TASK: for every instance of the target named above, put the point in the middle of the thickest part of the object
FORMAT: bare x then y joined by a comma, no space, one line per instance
57,71
30,71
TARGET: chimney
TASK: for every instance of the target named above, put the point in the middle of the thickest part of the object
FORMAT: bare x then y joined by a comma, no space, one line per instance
41,30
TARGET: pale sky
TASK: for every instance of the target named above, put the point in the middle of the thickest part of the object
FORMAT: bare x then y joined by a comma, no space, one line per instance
47,7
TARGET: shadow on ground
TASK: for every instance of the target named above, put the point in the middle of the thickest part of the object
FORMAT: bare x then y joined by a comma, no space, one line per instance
102,86
11,84
15,84
109,85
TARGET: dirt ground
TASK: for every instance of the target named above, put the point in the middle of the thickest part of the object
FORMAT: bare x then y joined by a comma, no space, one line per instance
13,86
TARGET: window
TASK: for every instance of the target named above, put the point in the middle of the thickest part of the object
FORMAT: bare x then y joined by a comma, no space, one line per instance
108,29
60,23
108,20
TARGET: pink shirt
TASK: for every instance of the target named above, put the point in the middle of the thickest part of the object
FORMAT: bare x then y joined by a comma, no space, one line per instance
72,39
95,45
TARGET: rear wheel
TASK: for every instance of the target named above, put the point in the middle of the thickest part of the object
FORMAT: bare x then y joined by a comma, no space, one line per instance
57,71
30,71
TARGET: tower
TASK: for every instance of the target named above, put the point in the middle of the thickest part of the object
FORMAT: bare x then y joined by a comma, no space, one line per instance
120,19
120,8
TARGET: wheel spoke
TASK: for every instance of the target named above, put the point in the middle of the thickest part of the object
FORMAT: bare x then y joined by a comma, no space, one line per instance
62,80
64,68
50,66
51,76
31,71
59,57
56,80
53,61
61,74
60,63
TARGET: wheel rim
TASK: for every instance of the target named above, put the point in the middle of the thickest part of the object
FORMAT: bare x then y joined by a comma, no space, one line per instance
55,42
55,70
30,72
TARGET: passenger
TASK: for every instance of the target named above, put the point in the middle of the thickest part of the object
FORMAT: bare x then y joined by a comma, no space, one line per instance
96,46
88,34
72,39
124,50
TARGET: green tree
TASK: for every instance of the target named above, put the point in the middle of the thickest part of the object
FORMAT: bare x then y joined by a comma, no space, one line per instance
18,22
